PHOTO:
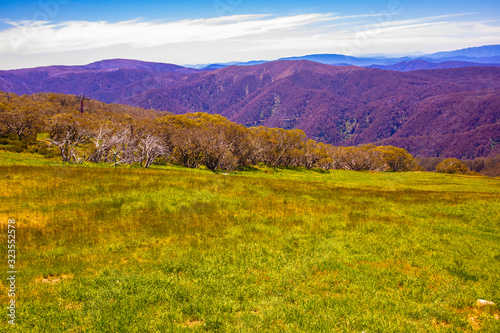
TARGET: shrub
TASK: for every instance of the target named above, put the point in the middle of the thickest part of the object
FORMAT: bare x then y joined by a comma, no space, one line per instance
398,159
452,165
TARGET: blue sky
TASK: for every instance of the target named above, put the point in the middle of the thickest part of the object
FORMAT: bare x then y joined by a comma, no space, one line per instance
69,32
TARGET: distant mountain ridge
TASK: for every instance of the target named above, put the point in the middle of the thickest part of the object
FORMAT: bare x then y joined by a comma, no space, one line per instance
453,112
107,80
424,65
471,52
117,64
489,54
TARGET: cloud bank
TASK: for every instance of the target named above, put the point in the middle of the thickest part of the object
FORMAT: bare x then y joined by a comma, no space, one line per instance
237,37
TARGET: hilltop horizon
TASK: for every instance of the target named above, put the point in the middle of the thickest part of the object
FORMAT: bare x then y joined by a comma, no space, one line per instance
493,50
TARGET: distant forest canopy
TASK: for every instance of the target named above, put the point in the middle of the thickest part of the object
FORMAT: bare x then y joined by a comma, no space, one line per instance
110,133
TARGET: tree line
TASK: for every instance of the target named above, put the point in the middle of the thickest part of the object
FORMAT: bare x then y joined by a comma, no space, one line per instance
125,135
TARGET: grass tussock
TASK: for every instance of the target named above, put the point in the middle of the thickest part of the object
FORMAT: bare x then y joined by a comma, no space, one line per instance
104,249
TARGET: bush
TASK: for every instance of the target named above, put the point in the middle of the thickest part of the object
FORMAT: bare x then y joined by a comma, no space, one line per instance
488,166
43,149
452,165
398,159
11,142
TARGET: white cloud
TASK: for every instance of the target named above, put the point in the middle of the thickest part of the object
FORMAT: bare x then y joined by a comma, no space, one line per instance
237,37
37,37
419,35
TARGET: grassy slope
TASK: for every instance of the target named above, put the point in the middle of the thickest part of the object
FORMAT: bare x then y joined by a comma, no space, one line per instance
170,249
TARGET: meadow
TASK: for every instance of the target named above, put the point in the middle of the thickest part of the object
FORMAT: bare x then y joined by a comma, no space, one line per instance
170,249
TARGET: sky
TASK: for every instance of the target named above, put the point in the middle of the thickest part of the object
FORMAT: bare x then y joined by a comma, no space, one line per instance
76,32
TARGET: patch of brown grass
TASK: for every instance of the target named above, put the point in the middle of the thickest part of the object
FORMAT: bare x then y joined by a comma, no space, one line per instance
474,322
53,279
72,306
440,324
193,323
475,316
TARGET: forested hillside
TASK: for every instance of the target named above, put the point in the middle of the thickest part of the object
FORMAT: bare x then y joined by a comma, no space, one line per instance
454,111
51,124
431,113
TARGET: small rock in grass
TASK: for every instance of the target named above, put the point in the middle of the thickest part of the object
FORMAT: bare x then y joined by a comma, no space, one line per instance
483,302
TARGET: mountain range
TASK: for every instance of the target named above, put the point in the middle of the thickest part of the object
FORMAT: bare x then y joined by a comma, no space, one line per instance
452,108
489,54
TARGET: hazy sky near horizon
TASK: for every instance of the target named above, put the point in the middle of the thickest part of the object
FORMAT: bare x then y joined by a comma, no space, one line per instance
74,32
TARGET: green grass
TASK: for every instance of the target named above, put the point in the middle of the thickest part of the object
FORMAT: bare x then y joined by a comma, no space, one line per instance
168,249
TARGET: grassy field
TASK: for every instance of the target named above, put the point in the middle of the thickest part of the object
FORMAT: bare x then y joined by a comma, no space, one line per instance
167,249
